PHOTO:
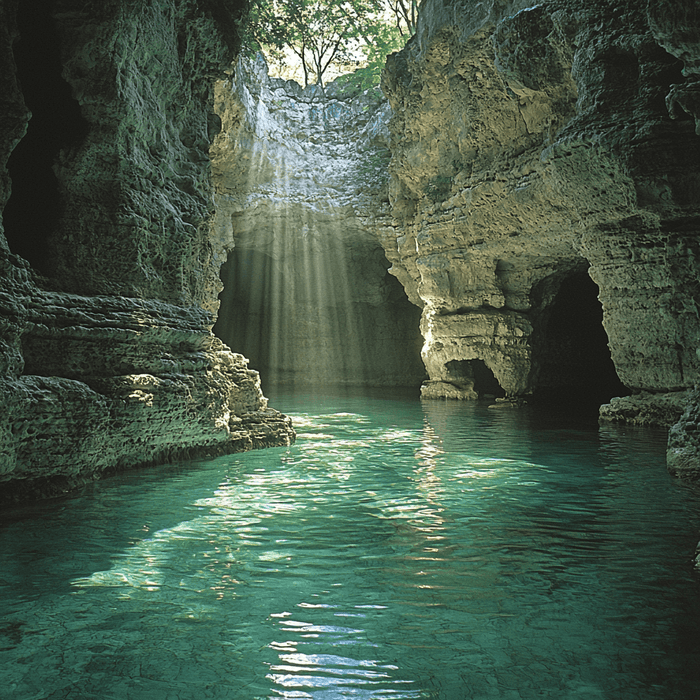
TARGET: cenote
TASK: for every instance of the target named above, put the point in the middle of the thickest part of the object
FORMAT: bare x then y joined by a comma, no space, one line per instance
400,549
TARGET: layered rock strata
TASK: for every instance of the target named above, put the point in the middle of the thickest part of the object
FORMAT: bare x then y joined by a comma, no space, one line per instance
300,178
108,280
536,150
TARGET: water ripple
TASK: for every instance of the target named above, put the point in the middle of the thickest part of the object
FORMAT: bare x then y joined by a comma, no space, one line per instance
396,551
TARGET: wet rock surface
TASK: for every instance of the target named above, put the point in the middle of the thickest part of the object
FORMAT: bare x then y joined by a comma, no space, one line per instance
683,454
645,409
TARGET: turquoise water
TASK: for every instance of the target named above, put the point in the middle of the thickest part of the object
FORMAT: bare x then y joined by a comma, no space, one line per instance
398,550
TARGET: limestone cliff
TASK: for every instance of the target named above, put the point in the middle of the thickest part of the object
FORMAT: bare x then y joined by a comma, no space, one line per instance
544,155
300,180
108,278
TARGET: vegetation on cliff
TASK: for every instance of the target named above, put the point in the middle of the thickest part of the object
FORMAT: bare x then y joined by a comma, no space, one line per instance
324,38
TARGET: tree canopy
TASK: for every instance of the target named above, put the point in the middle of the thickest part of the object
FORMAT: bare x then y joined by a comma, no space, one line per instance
342,35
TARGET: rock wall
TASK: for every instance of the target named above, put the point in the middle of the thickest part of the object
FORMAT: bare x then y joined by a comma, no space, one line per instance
542,156
541,210
108,278
300,180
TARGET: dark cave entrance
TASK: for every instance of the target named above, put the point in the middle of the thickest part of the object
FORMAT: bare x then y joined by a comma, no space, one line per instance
297,327
571,357
464,372
244,323
34,207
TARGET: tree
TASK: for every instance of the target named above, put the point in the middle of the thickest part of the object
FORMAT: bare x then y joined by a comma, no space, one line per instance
380,39
343,34
405,14
316,31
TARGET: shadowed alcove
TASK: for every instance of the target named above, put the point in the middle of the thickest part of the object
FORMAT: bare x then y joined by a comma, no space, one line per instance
34,207
315,317
474,374
571,357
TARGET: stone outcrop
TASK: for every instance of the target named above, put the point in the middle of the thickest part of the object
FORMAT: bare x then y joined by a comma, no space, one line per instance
683,454
300,180
646,409
542,156
108,279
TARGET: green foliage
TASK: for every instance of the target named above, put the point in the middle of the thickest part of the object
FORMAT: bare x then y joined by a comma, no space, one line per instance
385,40
343,34
352,84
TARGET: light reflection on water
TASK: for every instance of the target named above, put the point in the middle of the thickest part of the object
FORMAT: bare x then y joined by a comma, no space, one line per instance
399,550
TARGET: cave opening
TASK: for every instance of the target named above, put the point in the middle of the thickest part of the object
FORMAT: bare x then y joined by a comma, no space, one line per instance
571,356
298,325
34,206
477,374
244,322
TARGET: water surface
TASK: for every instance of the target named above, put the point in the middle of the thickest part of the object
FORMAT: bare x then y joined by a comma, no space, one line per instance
399,550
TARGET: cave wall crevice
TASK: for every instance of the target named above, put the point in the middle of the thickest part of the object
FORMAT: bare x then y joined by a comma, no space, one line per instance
33,210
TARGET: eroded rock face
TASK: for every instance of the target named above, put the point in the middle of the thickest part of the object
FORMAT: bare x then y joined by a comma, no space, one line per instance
107,359
683,454
537,150
300,181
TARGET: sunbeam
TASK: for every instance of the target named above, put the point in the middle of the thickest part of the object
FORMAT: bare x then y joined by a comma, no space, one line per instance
307,295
